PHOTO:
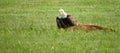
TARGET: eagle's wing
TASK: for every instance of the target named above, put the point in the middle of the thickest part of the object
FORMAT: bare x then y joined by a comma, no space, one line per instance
73,20
61,23
65,22
58,22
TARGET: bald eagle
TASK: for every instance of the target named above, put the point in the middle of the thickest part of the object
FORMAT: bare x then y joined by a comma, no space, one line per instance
64,20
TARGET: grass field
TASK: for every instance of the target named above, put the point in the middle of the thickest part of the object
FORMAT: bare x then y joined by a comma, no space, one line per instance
29,26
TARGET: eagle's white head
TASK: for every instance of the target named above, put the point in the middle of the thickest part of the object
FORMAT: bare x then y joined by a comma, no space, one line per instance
62,14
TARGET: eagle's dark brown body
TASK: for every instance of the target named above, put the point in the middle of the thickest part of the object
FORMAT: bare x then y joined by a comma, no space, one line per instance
65,22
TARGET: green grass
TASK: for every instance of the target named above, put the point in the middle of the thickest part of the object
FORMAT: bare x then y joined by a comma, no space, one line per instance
30,26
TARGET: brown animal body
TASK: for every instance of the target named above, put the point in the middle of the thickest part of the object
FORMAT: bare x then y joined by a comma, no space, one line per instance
88,27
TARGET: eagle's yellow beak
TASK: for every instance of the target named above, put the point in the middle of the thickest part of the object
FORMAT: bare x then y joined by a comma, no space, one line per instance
61,13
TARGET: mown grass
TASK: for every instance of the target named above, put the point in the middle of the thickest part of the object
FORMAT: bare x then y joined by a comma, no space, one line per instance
30,26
